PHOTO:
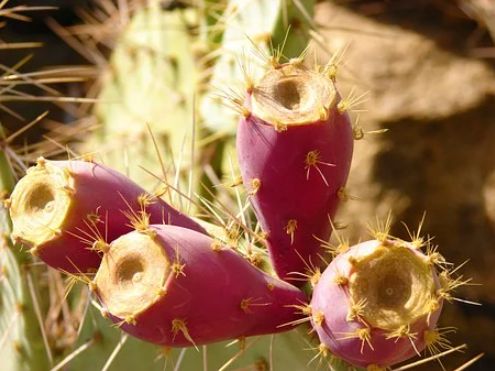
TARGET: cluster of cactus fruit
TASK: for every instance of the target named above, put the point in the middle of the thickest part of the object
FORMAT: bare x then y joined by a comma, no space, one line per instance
159,273
175,281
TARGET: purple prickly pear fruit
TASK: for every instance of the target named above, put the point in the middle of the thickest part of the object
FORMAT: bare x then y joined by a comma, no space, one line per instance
68,211
294,148
177,287
378,303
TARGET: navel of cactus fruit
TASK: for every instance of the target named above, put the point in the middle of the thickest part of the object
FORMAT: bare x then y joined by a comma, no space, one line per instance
177,287
67,212
378,303
294,149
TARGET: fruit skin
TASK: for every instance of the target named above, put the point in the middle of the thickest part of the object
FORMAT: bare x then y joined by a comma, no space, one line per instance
101,200
331,303
207,295
289,189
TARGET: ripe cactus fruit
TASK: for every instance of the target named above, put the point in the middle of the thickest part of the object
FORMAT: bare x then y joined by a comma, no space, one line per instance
67,211
294,149
177,287
378,303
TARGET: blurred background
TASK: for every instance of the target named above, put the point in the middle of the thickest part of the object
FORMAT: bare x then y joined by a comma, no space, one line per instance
428,70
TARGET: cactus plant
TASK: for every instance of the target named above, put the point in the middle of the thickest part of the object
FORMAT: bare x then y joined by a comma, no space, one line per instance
180,312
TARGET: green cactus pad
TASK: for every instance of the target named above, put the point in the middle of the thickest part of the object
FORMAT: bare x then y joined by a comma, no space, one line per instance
151,80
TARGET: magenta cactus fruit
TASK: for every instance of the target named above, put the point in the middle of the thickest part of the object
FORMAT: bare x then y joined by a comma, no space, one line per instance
294,148
378,303
67,212
177,287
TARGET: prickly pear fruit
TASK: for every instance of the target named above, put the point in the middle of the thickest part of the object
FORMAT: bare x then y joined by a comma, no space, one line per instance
294,149
378,303
177,287
67,212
